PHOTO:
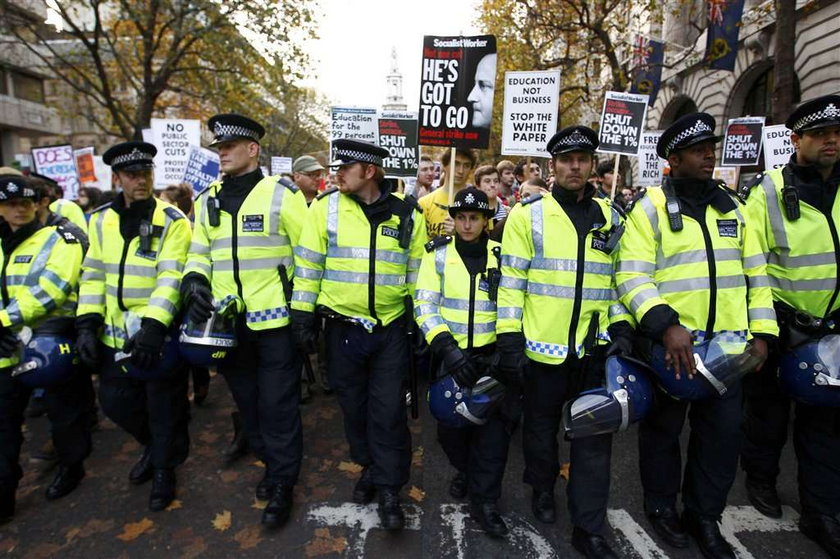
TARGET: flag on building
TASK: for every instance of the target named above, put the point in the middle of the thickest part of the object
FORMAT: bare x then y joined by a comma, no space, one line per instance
648,58
722,34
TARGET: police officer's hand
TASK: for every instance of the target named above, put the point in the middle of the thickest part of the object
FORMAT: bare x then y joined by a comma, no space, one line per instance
87,339
511,348
146,345
759,350
621,346
198,300
455,361
9,342
679,354
305,331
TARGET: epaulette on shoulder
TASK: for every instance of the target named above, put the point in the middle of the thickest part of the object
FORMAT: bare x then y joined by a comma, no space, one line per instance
203,191
102,207
412,201
615,207
438,242
173,213
744,191
288,184
532,199
66,234
327,192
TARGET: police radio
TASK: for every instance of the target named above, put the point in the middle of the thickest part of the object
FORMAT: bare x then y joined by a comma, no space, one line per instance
494,276
615,235
406,228
146,230
790,199
674,216
213,209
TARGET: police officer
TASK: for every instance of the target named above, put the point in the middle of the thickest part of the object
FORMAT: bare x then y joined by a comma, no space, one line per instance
71,211
558,305
455,306
357,262
245,228
685,265
41,267
794,212
128,299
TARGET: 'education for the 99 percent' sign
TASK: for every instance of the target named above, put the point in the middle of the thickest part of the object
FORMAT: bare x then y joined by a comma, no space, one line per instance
398,134
457,86
742,142
352,123
622,121
530,117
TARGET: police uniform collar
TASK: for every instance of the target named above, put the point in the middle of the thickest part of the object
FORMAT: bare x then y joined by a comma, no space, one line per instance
12,239
138,207
567,197
702,191
249,179
475,248
810,173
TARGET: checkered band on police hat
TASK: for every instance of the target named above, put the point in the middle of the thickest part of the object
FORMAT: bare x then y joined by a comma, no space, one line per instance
221,130
12,187
699,128
573,138
358,156
134,156
823,111
686,131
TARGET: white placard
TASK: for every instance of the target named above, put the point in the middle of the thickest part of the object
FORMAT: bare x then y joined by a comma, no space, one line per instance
353,123
173,139
650,165
530,118
777,146
281,165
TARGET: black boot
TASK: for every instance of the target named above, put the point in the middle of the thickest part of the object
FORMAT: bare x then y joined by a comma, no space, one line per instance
265,488
592,546
764,498
458,486
163,490
279,508
706,533
7,504
666,523
239,445
201,385
364,491
66,480
543,506
391,514
488,517
825,530
141,472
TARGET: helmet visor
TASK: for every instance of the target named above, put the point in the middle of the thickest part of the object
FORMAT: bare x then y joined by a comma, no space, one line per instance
595,413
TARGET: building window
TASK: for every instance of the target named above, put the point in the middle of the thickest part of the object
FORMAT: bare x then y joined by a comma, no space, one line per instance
759,99
28,87
4,87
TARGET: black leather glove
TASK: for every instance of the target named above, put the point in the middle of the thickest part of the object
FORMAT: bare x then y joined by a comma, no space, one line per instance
305,331
9,342
512,360
621,346
146,345
456,362
87,339
198,298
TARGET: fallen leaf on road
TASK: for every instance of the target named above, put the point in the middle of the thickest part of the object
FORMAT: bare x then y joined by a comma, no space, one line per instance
351,467
259,505
174,505
133,530
258,463
222,521
564,471
196,549
417,457
248,538
325,544
417,494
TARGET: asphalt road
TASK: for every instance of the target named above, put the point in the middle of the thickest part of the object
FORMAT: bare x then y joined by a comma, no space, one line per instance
216,514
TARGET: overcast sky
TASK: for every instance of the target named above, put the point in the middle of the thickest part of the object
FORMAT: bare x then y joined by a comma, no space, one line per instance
352,56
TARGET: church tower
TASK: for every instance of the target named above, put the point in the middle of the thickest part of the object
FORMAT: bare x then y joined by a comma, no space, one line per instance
394,97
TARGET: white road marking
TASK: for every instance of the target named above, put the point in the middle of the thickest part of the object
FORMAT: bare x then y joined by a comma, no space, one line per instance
361,519
636,536
747,519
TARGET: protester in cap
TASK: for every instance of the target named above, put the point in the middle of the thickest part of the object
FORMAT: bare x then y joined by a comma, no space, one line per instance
794,213
456,311
245,228
357,263
685,264
307,175
557,313
128,300
436,205
41,271
58,205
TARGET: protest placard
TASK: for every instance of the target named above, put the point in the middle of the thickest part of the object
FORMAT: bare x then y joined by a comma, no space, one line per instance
777,146
530,117
202,168
742,141
85,166
173,139
353,123
398,134
728,175
457,86
650,165
622,122
281,165
59,164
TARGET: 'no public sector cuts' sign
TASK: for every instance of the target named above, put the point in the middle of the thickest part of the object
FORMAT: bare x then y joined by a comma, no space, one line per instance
530,112
457,87
622,121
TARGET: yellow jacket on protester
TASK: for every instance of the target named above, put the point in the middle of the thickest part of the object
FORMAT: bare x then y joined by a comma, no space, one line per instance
554,282
712,273
39,279
123,283
353,269
244,260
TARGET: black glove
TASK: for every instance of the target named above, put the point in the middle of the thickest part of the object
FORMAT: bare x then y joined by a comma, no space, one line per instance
512,360
462,369
198,298
9,342
305,331
87,339
622,346
146,345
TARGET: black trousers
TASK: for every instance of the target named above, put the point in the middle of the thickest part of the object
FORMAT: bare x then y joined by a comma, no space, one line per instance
712,458
155,413
546,389
367,371
816,440
263,374
68,408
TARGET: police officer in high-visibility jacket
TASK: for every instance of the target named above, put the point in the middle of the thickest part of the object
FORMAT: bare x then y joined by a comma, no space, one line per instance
357,261
67,209
128,299
41,267
558,305
455,307
689,271
794,213
245,228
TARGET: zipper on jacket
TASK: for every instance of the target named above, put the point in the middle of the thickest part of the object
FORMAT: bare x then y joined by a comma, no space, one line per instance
573,323
372,274
710,258
833,228
471,312
121,277
234,253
